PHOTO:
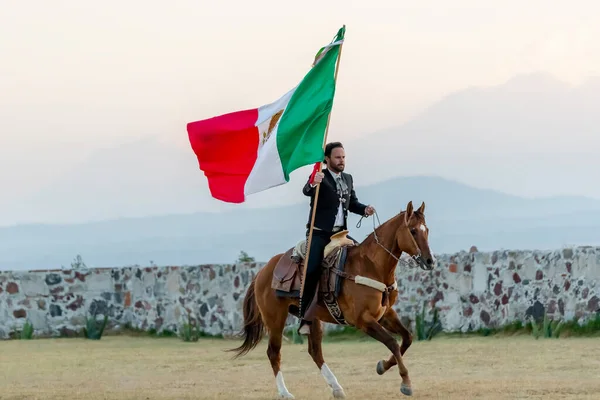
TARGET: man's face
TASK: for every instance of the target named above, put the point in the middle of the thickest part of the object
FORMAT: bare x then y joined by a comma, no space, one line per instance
337,160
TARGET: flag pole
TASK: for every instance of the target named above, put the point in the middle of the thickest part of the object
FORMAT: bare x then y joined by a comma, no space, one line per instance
314,209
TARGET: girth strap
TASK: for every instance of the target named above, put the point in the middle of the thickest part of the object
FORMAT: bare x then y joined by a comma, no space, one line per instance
372,283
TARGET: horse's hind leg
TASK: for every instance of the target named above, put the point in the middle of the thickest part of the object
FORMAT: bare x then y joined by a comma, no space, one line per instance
392,323
316,352
275,319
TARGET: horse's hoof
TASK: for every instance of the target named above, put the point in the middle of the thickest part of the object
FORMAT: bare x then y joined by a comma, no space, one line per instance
405,389
380,368
339,394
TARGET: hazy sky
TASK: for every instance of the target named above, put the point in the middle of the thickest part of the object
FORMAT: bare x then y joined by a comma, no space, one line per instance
76,76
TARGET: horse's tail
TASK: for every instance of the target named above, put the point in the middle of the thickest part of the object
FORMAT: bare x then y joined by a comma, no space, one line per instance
253,323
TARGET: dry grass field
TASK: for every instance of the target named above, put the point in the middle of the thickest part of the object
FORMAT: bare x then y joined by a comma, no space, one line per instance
121,367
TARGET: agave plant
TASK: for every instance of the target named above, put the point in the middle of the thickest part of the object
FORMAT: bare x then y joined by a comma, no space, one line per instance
549,328
425,330
92,330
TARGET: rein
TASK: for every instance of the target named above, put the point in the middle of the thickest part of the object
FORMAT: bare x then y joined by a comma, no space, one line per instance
358,224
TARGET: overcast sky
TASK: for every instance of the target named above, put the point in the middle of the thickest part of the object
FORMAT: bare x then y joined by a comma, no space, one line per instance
77,76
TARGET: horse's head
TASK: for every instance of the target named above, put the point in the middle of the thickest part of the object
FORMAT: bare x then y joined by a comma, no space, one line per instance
413,236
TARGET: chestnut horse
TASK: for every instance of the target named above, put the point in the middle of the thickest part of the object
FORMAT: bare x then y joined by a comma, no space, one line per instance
362,306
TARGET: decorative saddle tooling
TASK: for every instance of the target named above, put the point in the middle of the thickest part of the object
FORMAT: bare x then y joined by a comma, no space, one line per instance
287,275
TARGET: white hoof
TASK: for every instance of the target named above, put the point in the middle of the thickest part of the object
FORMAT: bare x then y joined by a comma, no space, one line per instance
283,392
331,380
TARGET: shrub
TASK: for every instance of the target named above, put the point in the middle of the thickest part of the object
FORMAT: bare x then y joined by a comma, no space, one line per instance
27,332
189,332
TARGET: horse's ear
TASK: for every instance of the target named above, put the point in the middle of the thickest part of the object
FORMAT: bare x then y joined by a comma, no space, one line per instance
409,211
422,208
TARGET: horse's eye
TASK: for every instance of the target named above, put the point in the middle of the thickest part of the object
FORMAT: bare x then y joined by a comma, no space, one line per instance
413,231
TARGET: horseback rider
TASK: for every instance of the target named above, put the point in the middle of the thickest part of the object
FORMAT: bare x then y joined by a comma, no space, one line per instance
336,198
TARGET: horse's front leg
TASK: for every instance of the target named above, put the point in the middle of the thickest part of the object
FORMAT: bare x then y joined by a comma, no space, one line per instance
372,328
392,323
316,352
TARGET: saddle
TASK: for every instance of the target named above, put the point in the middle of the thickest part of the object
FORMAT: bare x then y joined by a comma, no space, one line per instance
287,275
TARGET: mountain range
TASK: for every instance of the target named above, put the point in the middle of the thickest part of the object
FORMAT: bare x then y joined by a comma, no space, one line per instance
507,166
458,216
531,136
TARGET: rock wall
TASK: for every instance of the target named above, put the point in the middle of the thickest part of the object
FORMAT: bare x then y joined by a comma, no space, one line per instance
471,290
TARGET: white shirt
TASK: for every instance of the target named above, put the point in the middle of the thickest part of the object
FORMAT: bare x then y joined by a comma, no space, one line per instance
339,218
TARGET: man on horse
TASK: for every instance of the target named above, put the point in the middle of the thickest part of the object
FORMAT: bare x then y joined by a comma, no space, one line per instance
336,198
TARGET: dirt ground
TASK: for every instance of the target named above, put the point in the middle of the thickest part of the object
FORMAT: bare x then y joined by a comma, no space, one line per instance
445,368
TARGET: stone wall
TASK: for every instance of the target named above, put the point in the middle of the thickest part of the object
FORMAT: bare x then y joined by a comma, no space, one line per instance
471,290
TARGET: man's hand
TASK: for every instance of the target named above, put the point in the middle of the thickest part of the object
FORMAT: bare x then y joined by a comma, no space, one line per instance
369,210
318,177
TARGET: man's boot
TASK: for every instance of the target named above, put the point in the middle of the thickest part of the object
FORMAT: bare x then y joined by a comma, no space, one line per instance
313,272
306,302
304,327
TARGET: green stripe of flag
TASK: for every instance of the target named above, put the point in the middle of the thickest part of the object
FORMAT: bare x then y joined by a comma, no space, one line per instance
302,126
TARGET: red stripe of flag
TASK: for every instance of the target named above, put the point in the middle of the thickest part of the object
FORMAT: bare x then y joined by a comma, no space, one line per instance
226,148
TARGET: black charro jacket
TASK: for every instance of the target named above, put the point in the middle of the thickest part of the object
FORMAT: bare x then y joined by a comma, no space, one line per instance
328,202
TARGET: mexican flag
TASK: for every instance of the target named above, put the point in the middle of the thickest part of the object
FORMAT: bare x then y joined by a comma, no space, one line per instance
249,151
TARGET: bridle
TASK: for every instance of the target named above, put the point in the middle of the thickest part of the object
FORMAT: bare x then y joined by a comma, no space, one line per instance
416,258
